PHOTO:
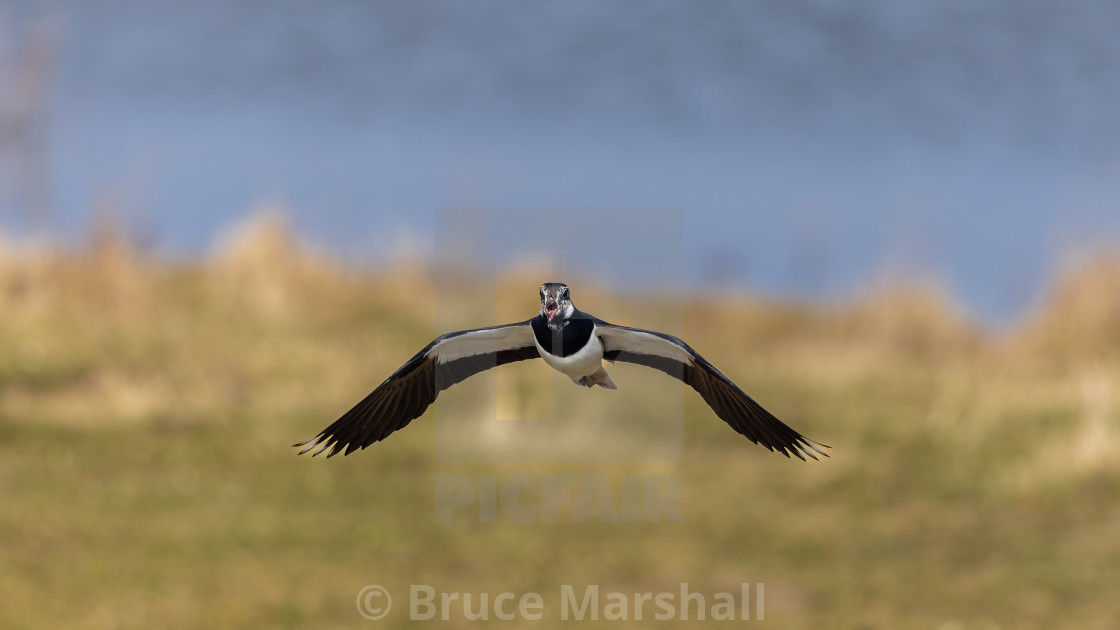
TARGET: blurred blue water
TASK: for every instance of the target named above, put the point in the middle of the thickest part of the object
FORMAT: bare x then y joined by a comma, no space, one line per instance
813,147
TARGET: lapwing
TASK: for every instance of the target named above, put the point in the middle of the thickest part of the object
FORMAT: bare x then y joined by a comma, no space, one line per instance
572,342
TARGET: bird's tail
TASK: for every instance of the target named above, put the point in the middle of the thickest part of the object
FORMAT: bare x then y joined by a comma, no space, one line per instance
602,379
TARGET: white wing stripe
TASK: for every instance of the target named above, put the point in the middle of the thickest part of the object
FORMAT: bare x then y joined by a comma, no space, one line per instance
482,341
640,342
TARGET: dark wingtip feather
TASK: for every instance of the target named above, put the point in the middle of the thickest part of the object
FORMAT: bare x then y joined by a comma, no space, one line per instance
311,443
810,444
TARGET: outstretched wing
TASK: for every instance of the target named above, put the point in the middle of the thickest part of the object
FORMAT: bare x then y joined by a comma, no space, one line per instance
675,358
405,395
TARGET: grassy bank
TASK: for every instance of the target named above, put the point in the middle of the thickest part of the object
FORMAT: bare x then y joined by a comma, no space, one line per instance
147,408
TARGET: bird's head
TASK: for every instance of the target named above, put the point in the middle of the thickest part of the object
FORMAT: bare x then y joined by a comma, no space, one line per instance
556,300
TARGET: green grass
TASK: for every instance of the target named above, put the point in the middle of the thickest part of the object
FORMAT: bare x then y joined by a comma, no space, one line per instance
148,479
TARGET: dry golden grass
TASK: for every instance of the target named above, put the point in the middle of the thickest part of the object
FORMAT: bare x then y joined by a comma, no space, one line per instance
146,408
1079,320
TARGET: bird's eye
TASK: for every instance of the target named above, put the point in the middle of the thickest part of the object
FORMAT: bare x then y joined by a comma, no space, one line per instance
565,294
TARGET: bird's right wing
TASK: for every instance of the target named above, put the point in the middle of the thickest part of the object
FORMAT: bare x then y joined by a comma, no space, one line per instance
405,395
675,358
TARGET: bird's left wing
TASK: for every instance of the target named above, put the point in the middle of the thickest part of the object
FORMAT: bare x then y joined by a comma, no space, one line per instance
675,358
405,395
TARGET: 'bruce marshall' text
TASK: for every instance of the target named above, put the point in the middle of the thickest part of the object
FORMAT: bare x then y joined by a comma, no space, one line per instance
588,604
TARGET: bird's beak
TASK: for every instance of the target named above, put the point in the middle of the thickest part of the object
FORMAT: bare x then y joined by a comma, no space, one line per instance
550,308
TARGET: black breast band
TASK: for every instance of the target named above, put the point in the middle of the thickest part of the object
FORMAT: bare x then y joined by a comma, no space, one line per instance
566,341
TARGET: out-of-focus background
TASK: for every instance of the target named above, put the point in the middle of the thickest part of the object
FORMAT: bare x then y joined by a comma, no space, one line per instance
897,225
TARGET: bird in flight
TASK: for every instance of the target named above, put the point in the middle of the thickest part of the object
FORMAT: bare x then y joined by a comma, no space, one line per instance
572,342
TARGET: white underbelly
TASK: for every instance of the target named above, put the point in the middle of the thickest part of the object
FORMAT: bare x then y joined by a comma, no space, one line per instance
583,363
